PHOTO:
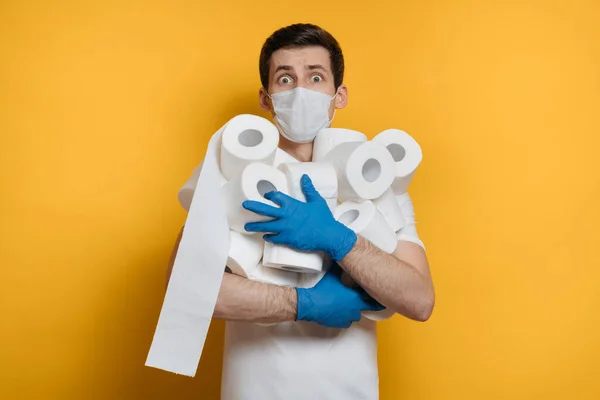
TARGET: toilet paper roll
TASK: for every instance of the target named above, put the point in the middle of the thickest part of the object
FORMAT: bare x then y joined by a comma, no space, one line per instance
406,153
325,181
332,204
247,138
322,175
366,220
364,170
329,138
288,259
254,181
283,157
378,315
388,205
245,252
274,276
186,193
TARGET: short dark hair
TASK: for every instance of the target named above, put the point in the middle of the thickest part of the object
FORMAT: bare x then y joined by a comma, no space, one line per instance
302,35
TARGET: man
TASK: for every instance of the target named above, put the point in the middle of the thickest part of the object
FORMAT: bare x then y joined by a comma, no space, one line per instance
319,346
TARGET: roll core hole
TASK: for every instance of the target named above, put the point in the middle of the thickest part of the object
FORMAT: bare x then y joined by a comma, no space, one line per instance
371,170
250,138
397,151
349,217
265,187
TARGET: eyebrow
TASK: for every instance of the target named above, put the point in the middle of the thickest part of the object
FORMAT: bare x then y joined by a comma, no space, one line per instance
316,66
283,68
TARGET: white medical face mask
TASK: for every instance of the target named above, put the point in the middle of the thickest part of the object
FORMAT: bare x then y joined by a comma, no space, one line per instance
301,113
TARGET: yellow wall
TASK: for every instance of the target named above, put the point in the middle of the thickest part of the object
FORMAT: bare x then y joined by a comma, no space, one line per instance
105,108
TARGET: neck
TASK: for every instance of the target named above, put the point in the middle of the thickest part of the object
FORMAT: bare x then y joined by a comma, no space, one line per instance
300,151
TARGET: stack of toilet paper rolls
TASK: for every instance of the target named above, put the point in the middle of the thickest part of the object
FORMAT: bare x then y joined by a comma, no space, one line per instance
358,178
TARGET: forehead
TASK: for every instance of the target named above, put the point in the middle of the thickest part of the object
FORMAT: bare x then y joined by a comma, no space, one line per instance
299,57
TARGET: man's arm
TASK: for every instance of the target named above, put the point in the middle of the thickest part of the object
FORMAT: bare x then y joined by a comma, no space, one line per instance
401,281
241,299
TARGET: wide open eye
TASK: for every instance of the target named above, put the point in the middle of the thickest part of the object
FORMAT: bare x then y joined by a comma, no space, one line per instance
285,80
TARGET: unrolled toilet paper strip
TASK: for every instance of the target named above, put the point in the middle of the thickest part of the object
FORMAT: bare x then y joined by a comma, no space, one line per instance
247,139
245,252
282,157
322,175
389,207
196,276
364,170
254,181
288,259
366,220
329,138
407,155
186,193
274,276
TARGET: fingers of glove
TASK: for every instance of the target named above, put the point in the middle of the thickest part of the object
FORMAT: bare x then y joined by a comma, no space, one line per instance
262,208
344,325
268,226
356,316
309,190
279,198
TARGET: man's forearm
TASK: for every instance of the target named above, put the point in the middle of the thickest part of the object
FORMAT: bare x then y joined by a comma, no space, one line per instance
394,283
241,299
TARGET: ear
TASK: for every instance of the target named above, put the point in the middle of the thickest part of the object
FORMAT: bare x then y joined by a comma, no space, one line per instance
341,100
264,100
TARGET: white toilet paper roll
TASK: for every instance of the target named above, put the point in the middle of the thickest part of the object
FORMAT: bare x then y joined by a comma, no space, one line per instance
282,157
288,259
332,203
245,252
247,138
378,315
322,175
364,170
390,208
254,181
329,138
365,219
186,193
325,181
274,276
406,153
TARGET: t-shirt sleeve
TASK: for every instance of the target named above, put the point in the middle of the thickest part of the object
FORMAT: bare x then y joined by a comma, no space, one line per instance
409,231
186,193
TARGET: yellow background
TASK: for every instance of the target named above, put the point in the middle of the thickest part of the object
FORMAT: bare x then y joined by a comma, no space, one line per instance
106,107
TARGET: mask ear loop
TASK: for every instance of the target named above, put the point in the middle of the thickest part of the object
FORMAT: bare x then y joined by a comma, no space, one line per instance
334,108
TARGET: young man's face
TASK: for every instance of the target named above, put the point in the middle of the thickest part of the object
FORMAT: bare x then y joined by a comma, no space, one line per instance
307,67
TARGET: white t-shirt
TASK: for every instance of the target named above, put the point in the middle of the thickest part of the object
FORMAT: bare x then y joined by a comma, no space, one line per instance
302,360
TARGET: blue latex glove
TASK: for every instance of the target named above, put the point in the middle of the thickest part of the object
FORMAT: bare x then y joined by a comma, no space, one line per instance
331,303
306,226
